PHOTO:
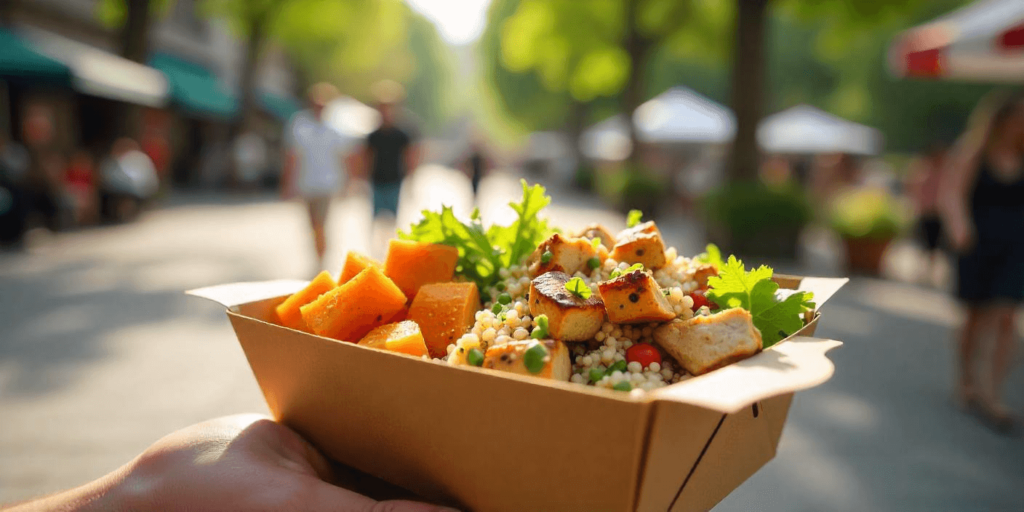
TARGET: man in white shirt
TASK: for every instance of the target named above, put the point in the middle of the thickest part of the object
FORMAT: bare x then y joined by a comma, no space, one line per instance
314,167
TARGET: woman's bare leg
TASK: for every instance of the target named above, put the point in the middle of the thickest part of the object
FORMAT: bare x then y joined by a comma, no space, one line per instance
968,350
1002,354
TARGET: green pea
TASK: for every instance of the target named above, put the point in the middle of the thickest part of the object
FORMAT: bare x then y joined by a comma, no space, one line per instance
593,263
546,257
596,374
619,365
542,322
533,359
500,286
622,386
505,298
496,308
475,357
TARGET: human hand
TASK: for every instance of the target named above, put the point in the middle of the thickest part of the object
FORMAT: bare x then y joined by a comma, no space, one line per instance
961,235
243,463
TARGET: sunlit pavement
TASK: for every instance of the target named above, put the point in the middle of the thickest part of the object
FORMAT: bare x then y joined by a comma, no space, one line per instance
101,354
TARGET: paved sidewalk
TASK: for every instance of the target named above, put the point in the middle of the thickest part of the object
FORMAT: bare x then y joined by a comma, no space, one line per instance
101,354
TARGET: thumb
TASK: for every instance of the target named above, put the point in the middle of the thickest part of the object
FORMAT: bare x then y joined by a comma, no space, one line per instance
324,497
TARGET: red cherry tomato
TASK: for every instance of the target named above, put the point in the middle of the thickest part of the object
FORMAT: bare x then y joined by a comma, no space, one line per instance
699,301
643,353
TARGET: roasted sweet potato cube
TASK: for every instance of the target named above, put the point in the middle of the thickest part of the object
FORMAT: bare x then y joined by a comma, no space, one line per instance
413,264
599,232
511,357
635,298
705,343
569,255
444,312
640,244
404,337
351,310
354,264
288,311
570,318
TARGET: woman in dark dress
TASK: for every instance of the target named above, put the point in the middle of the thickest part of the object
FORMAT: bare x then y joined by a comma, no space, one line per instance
983,208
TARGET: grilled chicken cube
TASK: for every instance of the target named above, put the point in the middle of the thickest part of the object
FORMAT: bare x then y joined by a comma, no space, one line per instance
634,298
551,363
599,232
705,343
570,318
569,255
640,244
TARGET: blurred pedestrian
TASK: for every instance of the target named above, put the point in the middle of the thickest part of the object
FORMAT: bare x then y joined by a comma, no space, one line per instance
982,203
80,187
391,151
127,180
14,203
314,166
923,182
250,154
42,182
476,165
244,462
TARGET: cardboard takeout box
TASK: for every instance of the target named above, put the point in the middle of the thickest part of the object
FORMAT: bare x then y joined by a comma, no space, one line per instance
484,440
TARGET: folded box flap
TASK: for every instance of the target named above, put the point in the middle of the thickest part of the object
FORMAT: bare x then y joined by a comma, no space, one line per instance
234,294
795,364
823,287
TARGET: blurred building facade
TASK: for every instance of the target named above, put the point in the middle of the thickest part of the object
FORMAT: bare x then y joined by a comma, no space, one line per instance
183,100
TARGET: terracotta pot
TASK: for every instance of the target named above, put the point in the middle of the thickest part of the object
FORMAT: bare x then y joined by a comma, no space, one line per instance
864,255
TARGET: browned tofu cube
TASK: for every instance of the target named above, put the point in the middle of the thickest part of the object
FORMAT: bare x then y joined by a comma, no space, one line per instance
599,232
570,318
511,357
702,273
635,298
569,255
705,343
640,244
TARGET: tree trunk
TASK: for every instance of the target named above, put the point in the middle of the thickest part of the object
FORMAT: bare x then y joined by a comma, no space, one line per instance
247,79
135,32
574,126
134,47
748,79
638,48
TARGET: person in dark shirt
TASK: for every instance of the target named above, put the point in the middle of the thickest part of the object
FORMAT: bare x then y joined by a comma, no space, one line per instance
391,152
476,165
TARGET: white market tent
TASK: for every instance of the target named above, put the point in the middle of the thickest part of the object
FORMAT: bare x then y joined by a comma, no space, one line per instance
677,116
804,129
983,41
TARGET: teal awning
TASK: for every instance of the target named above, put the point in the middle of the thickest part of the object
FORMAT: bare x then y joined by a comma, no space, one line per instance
20,62
281,107
194,88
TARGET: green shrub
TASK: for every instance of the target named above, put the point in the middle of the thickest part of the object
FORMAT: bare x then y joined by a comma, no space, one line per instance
867,213
748,209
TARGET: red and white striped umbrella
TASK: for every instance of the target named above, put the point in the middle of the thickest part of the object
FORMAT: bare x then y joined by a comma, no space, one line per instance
983,41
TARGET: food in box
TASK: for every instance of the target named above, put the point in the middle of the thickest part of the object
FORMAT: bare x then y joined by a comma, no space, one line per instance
559,317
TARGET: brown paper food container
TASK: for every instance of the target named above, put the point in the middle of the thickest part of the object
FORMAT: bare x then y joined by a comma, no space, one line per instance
484,440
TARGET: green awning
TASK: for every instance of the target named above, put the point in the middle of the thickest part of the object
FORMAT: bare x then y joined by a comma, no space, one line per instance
281,107
20,62
194,88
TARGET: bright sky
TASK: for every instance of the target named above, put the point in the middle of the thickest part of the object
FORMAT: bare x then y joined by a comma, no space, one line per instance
458,21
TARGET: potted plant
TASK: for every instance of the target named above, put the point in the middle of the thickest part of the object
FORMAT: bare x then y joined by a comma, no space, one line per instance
755,219
867,220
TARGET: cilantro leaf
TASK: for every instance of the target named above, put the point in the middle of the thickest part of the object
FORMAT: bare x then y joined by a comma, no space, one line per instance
634,218
735,287
712,255
577,287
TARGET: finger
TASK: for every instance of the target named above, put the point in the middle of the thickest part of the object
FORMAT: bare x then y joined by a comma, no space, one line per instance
324,497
